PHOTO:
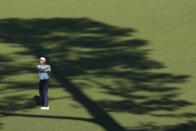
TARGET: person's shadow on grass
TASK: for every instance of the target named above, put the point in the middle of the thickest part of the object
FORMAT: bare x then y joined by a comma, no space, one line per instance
37,100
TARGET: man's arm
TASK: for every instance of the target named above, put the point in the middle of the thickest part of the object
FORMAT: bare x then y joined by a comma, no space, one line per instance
44,69
47,69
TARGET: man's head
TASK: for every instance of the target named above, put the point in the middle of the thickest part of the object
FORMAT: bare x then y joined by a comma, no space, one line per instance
42,60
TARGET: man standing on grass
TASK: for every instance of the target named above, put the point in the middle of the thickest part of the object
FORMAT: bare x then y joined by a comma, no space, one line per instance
43,71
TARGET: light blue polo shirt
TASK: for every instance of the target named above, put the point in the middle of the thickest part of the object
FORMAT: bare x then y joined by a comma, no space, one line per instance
43,74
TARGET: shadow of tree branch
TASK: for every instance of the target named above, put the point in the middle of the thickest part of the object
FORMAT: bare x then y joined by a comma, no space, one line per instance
81,46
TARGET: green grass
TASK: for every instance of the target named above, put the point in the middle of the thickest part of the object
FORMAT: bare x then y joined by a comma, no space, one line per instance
117,65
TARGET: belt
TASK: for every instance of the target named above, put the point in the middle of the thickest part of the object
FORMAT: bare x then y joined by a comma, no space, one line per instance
44,80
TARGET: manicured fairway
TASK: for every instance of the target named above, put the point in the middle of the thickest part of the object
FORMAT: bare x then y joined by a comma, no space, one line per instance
116,65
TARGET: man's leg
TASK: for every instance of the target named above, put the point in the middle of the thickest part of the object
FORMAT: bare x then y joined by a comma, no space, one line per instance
45,92
41,93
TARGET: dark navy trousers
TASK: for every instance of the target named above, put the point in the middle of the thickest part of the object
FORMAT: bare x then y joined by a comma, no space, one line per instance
43,92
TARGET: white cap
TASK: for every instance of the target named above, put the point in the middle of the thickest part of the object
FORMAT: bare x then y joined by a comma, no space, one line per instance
43,59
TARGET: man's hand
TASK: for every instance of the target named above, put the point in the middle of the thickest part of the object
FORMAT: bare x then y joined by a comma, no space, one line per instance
42,68
46,68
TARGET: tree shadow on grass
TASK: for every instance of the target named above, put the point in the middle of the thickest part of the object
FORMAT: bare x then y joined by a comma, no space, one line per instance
1,125
189,126
45,116
81,47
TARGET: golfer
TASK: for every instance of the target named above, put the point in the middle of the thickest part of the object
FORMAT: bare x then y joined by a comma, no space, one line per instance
43,71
